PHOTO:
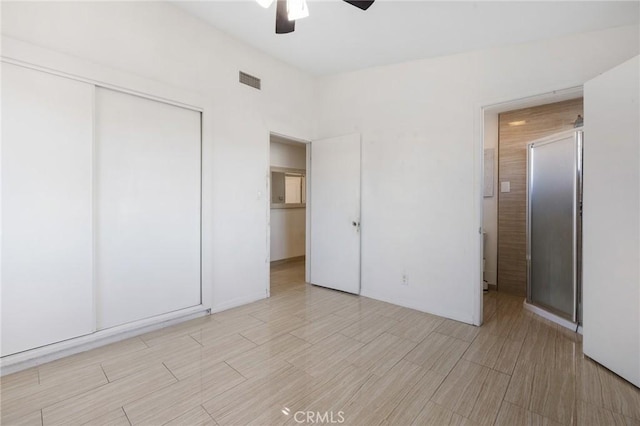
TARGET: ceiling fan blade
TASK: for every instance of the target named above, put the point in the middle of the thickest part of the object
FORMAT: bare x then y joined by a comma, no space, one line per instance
283,24
361,4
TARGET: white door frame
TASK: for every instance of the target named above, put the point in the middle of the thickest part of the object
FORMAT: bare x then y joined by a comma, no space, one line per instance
487,111
307,224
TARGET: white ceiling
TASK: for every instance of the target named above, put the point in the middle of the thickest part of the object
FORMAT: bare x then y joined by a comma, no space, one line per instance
338,37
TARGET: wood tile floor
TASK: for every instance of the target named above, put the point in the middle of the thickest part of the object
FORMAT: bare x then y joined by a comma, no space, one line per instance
309,349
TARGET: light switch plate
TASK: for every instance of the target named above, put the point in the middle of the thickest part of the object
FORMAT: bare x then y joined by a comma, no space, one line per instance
505,186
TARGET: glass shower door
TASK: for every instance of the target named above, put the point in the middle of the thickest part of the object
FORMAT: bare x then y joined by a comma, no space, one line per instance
553,219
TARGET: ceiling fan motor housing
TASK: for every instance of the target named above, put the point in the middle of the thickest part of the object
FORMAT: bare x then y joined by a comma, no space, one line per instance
285,26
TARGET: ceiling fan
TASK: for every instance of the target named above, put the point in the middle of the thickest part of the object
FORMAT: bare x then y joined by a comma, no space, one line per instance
287,11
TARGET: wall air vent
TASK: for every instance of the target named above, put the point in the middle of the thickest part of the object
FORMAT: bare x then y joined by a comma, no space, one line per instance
249,80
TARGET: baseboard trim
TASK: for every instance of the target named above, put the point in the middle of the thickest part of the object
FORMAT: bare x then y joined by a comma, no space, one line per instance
34,357
287,260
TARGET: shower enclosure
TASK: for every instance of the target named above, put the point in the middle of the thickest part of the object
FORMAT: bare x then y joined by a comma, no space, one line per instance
554,212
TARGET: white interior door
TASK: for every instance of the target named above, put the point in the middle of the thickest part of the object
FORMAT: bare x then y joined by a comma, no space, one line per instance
611,220
148,207
335,213
47,286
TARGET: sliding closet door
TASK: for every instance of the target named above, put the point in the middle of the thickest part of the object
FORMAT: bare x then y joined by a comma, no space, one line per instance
47,290
148,207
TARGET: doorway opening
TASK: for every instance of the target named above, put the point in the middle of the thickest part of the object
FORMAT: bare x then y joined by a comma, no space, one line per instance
507,129
287,213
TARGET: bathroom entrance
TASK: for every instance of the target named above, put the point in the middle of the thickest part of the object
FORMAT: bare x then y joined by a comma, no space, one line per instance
509,128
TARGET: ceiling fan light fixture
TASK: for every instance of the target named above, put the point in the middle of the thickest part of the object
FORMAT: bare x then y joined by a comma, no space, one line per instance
265,3
297,9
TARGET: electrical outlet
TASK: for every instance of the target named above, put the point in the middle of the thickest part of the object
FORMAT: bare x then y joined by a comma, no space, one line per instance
405,279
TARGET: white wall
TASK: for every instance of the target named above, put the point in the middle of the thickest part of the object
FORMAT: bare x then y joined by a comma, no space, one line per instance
288,225
287,233
611,220
419,121
288,155
160,43
421,129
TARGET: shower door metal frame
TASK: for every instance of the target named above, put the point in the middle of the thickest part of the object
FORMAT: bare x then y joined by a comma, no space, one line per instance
578,135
